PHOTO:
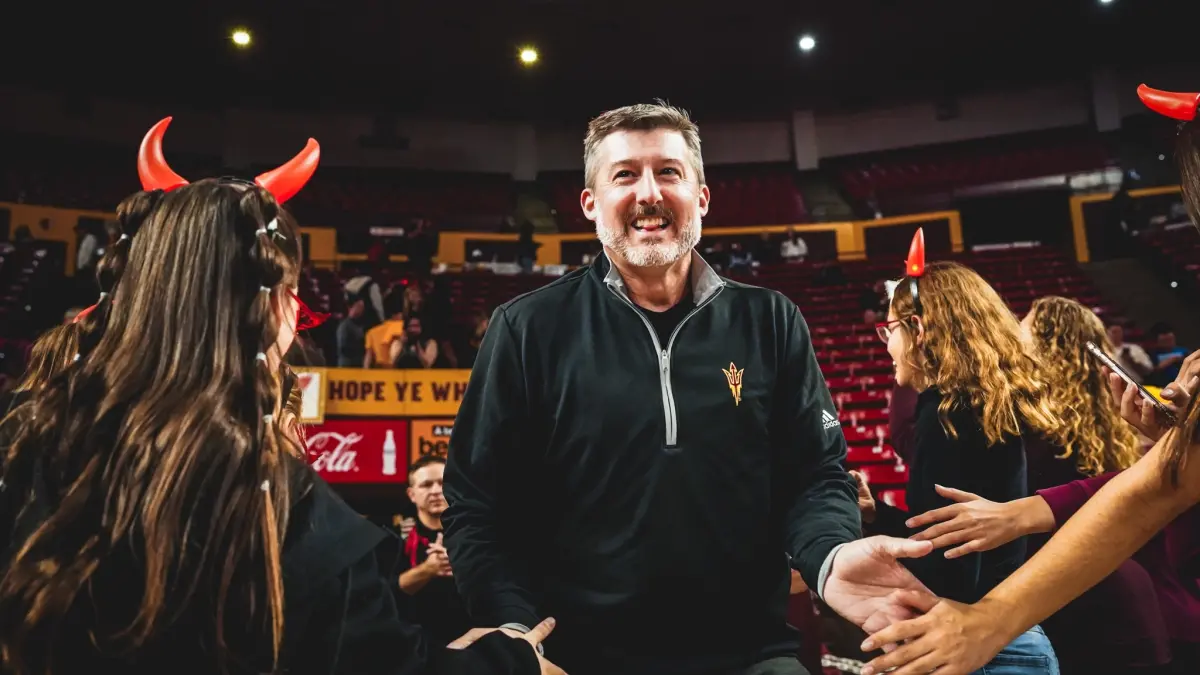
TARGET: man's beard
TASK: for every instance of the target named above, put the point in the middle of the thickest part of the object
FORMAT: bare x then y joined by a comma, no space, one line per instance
659,254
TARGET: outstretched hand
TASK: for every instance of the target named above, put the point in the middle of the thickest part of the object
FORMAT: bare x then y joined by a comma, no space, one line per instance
975,524
869,587
951,639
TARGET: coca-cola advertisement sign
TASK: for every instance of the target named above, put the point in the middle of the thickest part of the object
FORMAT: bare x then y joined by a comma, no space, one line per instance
359,451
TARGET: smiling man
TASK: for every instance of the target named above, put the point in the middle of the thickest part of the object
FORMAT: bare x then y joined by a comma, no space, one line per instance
645,448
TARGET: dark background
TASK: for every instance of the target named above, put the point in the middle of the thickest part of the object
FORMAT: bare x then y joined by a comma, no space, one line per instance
458,59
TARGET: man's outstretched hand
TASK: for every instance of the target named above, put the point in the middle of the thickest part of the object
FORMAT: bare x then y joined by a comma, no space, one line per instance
867,583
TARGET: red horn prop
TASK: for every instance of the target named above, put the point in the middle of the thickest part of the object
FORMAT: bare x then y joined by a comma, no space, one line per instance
1179,106
153,169
915,265
290,178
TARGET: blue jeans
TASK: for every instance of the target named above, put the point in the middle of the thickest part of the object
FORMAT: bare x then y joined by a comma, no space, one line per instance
1030,654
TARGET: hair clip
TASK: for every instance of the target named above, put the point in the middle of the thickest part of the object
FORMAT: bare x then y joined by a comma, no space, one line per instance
77,357
264,289
268,418
260,231
123,237
261,357
103,294
266,486
273,228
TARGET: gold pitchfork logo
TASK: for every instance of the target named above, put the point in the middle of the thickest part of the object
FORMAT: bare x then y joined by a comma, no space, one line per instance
734,376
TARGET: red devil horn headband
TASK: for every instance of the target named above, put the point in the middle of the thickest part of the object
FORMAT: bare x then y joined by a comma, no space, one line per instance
153,169
283,182
1176,105
915,265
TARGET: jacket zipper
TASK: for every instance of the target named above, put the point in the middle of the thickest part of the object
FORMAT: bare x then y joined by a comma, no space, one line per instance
664,361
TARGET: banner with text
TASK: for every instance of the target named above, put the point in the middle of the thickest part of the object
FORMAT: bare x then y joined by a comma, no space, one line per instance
359,451
363,392
312,395
429,437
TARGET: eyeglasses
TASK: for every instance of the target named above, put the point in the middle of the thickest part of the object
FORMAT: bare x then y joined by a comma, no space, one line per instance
884,328
306,319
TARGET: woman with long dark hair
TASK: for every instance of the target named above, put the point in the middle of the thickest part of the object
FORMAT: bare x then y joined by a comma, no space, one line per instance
157,515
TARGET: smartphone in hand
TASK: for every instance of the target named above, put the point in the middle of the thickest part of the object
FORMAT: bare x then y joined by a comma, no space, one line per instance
1112,365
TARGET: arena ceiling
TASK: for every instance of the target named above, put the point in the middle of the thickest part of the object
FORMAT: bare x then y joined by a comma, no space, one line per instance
459,58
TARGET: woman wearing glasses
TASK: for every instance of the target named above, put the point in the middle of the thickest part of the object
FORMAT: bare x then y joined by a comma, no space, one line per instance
954,340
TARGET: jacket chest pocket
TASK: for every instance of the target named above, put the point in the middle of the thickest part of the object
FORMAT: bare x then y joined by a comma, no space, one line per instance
724,408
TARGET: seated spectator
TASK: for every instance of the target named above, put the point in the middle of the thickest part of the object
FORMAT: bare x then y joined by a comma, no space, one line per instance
352,334
1132,357
741,261
468,348
417,352
1167,354
378,340
793,249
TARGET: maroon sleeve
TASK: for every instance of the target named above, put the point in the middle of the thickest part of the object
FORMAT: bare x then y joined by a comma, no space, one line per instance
1065,500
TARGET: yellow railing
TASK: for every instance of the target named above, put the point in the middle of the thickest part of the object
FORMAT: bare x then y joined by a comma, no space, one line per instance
56,224
1079,223
850,236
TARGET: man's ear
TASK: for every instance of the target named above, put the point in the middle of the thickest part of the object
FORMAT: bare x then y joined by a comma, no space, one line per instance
705,196
587,201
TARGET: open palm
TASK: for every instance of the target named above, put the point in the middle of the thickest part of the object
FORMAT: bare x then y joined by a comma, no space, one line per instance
866,578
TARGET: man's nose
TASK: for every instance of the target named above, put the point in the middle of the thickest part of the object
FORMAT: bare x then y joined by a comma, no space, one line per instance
648,193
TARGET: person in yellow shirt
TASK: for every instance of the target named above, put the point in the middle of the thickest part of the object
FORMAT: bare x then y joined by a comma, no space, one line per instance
379,339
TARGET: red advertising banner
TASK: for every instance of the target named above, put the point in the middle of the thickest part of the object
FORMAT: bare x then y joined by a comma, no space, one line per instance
359,450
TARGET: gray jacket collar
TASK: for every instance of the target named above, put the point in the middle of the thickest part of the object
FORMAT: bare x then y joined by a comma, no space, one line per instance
705,280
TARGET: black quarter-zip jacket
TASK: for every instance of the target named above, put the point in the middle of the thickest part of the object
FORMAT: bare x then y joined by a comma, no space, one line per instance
648,496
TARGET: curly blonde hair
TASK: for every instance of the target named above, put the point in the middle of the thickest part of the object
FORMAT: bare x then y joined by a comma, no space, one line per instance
1095,433
971,350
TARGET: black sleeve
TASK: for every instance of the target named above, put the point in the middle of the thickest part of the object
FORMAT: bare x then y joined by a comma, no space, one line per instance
373,640
942,457
390,554
491,577
902,421
889,521
823,505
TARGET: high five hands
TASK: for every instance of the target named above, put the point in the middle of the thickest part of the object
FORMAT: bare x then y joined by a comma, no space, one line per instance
868,586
